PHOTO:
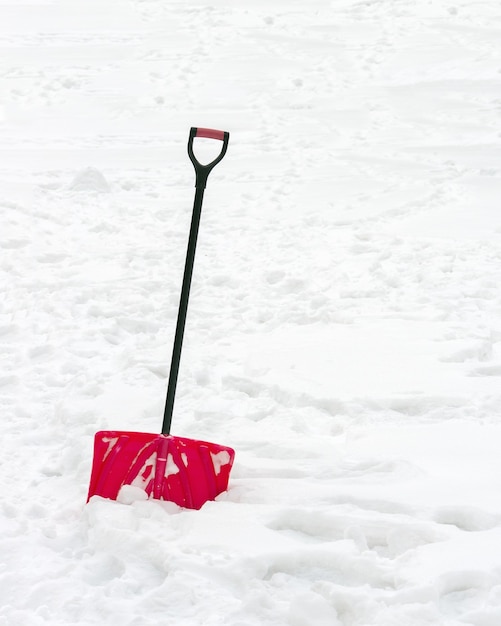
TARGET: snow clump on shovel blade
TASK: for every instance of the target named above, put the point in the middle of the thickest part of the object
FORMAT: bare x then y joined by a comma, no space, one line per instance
171,467
219,460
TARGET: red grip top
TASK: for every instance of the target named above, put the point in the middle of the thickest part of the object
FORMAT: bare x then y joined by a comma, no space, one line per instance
209,133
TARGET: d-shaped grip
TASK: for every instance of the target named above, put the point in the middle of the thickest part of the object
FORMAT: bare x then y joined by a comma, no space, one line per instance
201,170
210,133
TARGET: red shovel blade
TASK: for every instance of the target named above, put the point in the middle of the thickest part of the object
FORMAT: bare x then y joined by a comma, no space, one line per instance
185,471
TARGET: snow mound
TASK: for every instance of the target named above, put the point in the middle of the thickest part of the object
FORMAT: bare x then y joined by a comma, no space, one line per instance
90,179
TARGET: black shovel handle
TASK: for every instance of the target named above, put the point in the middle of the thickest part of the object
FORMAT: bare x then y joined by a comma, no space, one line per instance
202,173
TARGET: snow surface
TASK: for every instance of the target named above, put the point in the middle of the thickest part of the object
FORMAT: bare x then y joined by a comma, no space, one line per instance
344,333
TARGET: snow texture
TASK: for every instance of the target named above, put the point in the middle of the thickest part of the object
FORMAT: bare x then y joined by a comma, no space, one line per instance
344,331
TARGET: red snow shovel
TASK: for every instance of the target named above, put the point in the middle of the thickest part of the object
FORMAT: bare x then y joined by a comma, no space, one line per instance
132,465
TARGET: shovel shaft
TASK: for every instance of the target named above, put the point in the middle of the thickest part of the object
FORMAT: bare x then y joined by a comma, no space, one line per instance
202,173
183,310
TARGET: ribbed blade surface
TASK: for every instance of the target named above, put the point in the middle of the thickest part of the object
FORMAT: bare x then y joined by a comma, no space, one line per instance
185,471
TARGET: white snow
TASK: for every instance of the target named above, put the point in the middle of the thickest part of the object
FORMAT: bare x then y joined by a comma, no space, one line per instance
344,331
131,493
170,467
219,460
90,179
